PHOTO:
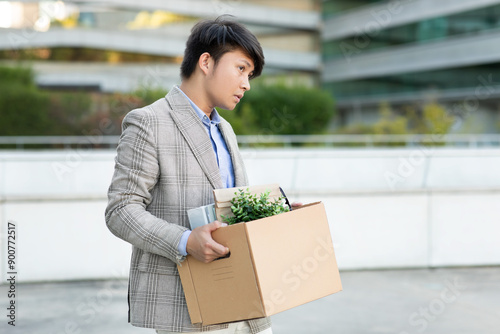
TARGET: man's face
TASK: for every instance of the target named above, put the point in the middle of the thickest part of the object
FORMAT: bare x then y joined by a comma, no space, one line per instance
229,80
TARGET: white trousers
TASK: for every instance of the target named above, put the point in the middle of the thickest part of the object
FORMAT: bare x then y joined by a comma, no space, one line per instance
241,327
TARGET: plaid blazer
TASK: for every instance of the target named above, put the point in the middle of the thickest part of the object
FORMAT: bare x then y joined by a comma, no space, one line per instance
165,165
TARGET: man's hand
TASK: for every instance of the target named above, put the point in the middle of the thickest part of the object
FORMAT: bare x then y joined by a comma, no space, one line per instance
201,245
296,205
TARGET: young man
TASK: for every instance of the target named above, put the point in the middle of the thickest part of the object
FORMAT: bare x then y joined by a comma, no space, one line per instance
170,157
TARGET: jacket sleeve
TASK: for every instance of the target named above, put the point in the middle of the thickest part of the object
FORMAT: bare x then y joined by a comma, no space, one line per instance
136,173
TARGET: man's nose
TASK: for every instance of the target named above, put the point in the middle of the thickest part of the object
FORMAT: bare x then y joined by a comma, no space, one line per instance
246,84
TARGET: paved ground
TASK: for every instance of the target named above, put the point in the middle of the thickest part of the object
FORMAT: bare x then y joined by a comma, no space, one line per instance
459,300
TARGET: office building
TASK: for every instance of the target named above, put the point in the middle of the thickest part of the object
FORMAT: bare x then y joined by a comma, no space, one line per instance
413,52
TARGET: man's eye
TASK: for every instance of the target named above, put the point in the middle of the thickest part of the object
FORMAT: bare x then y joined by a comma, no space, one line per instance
241,68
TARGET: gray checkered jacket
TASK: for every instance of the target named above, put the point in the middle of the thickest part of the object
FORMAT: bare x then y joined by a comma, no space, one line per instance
165,165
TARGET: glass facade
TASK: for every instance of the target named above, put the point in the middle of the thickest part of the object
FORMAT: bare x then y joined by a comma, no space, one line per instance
461,24
431,30
460,78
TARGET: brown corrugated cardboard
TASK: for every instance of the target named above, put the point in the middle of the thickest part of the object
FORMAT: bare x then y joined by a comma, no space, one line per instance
275,263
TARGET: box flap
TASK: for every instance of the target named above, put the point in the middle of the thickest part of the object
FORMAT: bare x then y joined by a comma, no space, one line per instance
189,292
224,196
294,259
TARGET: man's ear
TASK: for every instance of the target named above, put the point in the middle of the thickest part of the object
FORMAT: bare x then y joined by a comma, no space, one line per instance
205,62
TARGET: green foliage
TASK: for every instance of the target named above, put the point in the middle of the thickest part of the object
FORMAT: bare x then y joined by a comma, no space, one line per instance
27,110
23,111
273,109
16,75
107,114
23,108
68,111
247,207
389,123
149,95
437,120
356,129
431,118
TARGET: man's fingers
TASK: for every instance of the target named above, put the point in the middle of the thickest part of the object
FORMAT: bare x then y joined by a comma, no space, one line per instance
215,225
201,245
219,249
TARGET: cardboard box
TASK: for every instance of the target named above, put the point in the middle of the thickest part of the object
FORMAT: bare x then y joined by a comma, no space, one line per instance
275,263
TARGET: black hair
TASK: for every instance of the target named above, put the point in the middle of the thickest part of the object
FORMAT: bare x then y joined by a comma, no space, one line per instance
218,37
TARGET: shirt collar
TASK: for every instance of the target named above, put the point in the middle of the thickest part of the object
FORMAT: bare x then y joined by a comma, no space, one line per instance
203,117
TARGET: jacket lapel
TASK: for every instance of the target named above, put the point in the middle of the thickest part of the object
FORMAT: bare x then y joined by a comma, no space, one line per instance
193,131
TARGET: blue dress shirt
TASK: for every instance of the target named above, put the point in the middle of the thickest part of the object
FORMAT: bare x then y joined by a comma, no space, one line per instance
221,153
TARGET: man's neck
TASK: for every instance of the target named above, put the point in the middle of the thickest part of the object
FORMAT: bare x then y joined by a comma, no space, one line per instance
193,93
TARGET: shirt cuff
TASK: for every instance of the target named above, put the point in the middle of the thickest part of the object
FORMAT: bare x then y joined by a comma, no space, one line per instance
183,243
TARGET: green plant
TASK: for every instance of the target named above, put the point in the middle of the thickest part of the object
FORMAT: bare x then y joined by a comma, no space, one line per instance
430,118
437,119
23,108
17,75
390,123
277,108
247,207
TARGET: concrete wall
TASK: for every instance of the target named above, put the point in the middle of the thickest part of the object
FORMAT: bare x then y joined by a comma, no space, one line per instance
386,208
